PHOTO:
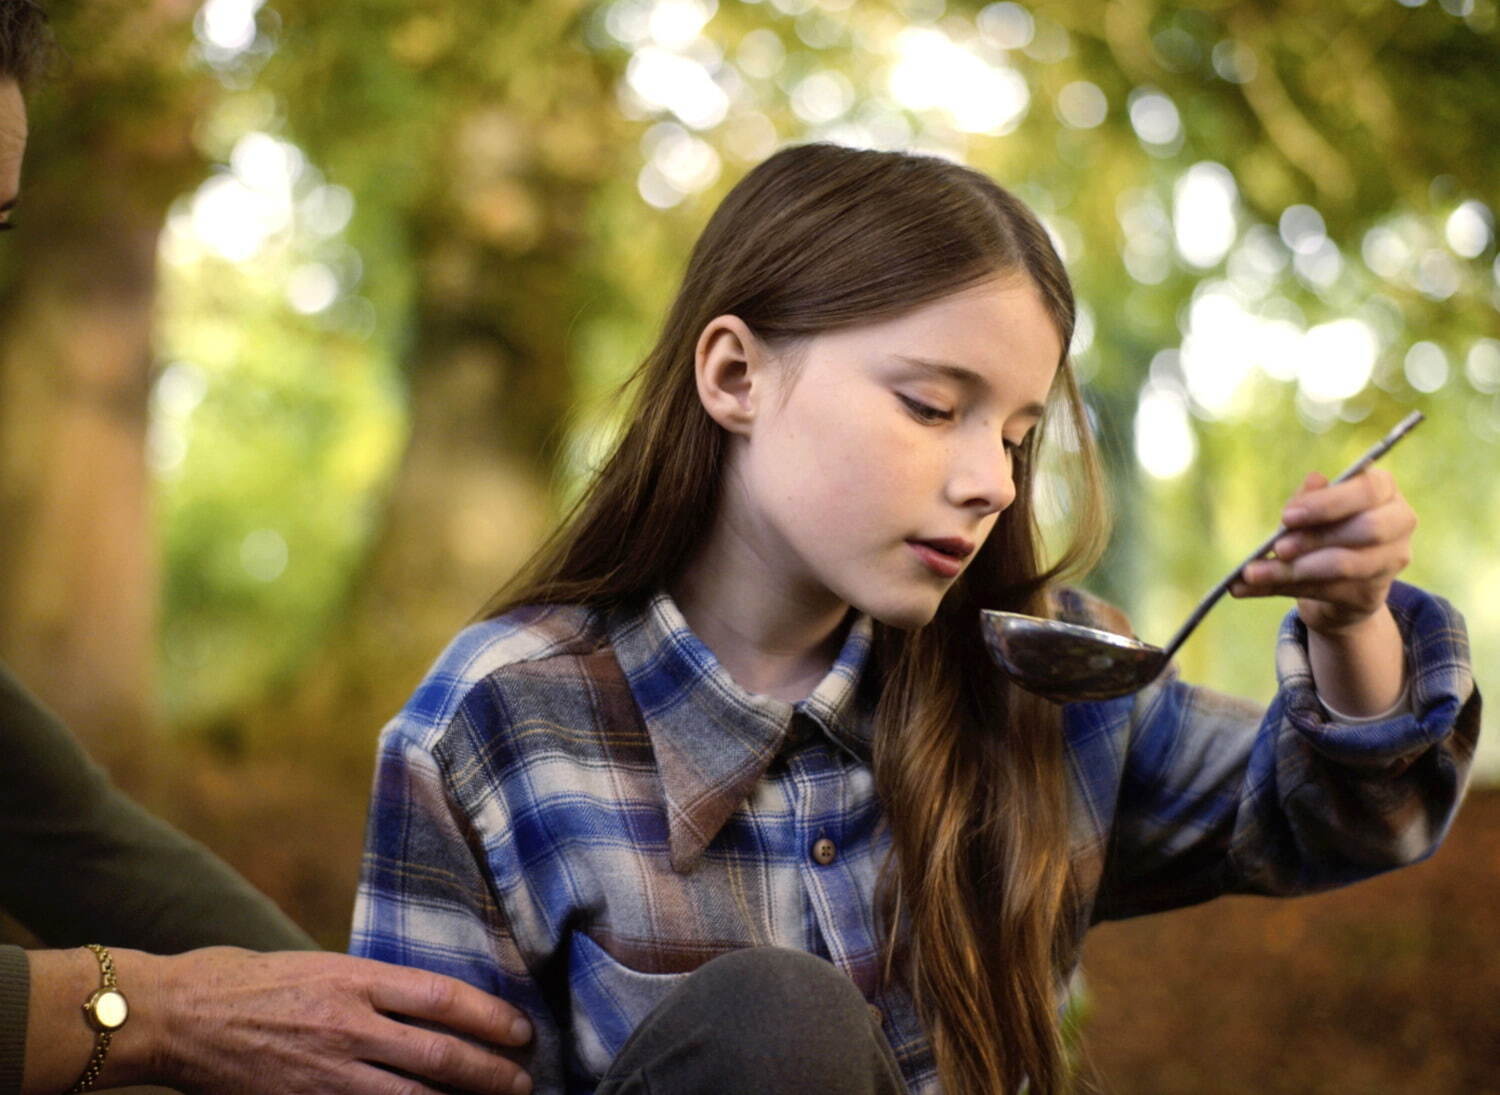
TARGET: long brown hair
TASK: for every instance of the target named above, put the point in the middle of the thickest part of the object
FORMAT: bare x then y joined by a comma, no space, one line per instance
970,771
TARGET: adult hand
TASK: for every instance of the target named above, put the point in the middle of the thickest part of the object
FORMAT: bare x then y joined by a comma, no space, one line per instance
229,1021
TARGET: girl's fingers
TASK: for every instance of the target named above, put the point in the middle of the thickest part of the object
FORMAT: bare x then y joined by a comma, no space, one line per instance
1361,595
1324,505
1323,604
1386,524
1345,543
1310,482
1334,564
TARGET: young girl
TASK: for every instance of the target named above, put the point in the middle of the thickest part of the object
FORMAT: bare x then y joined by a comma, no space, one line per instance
739,704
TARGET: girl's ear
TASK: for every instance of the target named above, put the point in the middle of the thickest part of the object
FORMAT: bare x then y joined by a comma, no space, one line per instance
731,369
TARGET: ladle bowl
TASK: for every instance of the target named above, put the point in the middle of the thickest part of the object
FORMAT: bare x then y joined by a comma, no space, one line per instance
1064,662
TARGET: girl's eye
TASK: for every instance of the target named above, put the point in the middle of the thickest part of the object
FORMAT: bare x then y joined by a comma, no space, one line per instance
924,413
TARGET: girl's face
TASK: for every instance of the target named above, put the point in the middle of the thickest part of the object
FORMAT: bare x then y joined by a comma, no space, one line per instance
875,470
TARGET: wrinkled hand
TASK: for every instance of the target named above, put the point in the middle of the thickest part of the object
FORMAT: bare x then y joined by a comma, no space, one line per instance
306,1022
1344,546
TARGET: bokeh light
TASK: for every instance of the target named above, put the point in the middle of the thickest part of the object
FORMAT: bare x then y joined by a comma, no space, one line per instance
1164,442
1426,367
1082,105
1336,360
1203,214
1155,119
932,72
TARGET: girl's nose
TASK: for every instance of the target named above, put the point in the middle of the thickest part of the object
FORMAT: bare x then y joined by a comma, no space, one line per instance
982,480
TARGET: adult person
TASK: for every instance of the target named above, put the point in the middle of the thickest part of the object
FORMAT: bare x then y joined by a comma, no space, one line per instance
84,864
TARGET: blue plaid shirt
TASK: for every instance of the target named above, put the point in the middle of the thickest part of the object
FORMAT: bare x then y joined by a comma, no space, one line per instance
575,810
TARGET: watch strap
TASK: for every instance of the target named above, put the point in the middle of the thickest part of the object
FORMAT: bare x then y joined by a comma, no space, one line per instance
102,1037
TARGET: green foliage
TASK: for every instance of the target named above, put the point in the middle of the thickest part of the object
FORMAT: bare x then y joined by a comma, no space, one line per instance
522,182
273,436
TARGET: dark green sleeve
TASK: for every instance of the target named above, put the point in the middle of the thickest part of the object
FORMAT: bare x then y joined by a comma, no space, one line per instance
15,986
81,863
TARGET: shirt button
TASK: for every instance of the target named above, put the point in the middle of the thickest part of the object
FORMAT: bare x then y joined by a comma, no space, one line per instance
877,1015
823,851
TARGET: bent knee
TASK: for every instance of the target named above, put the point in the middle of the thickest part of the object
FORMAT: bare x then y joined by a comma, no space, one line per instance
781,981
760,1019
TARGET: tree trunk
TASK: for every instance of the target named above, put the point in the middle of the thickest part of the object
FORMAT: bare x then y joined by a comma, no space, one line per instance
77,608
461,516
110,147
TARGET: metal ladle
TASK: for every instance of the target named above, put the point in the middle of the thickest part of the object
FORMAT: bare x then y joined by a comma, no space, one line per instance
1065,662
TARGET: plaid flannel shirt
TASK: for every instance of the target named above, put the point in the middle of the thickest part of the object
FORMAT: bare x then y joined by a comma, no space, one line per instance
575,810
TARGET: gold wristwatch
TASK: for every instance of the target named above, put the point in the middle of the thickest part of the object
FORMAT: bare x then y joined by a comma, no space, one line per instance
106,1012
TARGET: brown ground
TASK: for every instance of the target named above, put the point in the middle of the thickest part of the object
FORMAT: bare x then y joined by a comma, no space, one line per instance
1390,987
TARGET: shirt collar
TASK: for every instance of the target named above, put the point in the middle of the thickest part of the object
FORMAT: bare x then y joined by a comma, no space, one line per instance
712,739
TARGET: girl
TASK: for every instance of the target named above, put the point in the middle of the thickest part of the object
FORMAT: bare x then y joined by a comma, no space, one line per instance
740,699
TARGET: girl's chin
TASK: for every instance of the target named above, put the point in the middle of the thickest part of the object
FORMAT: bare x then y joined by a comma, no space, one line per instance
905,615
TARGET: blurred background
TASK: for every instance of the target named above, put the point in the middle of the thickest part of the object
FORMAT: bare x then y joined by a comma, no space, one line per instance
318,307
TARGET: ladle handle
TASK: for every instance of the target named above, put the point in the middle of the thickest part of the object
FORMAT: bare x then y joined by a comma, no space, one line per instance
1376,451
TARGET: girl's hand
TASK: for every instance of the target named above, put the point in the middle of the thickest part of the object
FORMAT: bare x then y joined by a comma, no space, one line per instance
1344,546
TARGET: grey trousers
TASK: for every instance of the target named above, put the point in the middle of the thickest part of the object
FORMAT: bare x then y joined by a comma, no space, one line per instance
759,1020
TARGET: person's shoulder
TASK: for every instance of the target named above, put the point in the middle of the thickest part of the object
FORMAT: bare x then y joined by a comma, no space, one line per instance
486,656
523,635
1072,605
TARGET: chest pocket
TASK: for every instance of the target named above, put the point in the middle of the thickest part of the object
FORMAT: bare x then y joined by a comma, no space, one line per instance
608,1000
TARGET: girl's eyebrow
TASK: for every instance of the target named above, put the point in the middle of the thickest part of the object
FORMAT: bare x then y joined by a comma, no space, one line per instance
962,375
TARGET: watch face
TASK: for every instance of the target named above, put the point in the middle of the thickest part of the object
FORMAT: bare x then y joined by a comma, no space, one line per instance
109,1009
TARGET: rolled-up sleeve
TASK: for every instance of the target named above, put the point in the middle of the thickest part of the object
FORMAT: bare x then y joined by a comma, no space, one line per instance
1217,796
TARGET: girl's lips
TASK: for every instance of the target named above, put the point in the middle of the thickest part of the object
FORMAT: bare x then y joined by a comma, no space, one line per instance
956,546
945,566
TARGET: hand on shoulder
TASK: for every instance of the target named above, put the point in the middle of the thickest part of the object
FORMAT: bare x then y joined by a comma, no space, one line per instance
231,1021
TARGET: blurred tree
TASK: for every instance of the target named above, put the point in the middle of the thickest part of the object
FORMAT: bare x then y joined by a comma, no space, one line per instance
527,179
473,138
110,149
